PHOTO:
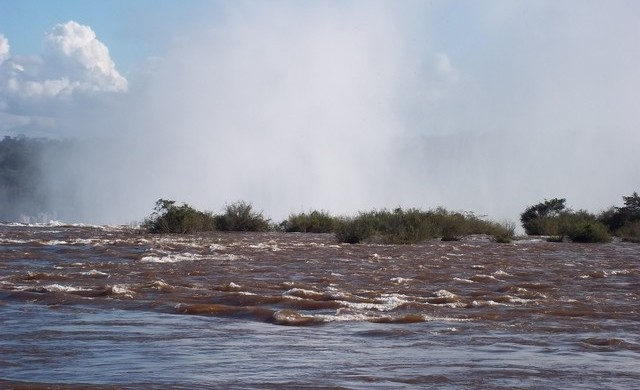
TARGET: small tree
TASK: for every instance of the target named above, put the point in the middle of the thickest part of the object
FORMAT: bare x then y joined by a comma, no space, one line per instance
617,217
536,219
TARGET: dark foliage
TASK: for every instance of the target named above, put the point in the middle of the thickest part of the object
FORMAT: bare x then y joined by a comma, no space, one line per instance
21,189
582,226
36,183
617,217
183,219
538,219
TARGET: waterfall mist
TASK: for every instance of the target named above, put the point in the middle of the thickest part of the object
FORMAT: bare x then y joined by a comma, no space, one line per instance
347,106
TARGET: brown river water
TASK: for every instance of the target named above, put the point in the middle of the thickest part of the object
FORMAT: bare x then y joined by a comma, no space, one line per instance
109,307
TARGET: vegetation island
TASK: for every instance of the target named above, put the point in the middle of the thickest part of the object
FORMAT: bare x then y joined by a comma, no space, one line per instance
550,218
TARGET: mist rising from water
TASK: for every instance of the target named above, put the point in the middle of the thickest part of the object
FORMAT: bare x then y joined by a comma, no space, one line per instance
353,106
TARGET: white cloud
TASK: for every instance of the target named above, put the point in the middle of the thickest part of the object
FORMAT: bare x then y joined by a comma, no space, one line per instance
4,48
73,63
76,46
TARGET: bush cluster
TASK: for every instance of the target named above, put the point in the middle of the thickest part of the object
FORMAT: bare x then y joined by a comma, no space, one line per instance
413,225
582,226
624,221
313,222
630,231
399,226
168,217
240,217
552,218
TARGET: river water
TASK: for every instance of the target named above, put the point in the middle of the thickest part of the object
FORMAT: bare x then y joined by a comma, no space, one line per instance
109,307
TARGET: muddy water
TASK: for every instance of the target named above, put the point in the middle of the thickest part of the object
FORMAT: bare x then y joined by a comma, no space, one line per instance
88,307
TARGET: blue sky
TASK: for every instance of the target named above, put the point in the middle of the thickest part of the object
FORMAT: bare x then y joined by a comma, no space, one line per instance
129,28
410,103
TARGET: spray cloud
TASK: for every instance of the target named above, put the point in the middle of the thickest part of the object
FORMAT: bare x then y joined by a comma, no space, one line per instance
346,106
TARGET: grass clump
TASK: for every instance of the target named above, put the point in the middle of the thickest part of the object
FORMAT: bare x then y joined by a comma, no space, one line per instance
168,217
313,222
413,225
504,232
352,230
389,227
400,226
240,217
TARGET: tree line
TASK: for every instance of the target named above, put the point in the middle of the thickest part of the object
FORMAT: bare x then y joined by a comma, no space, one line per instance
552,218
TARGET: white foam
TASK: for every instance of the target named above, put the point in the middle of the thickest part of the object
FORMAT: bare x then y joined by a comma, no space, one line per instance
386,302
400,280
444,294
360,317
618,272
122,289
12,241
463,280
62,288
172,258
94,272
301,291
484,276
54,242
81,241
522,301
161,285
226,256
501,273
271,245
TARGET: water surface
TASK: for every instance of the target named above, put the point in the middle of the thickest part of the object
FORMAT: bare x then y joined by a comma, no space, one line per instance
86,307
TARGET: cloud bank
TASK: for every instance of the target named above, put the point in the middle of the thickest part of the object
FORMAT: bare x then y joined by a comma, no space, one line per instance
73,66
346,106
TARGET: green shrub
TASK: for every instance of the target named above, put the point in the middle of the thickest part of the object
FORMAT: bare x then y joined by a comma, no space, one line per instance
589,232
183,219
630,232
352,230
410,226
452,227
617,217
314,222
582,226
240,217
504,232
